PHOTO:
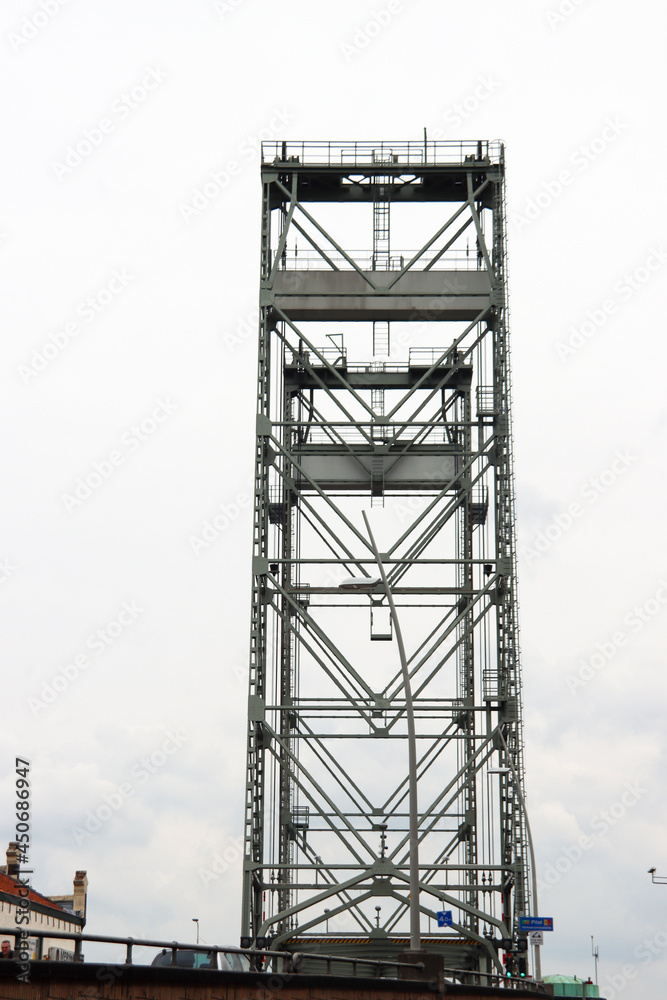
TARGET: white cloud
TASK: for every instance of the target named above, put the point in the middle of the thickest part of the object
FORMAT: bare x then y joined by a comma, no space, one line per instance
181,662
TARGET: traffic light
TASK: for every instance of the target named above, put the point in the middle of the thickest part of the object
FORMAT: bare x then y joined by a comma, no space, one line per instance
522,966
522,944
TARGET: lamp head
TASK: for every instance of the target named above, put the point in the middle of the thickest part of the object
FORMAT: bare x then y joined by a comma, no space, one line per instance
360,583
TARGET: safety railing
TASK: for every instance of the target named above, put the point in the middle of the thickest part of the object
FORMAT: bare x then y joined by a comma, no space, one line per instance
310,260
294,962
489,401
418,357
421,357
381,154
129,943
320,434
334,356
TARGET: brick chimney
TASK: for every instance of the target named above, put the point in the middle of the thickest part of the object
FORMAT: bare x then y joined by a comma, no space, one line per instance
13,863
80,893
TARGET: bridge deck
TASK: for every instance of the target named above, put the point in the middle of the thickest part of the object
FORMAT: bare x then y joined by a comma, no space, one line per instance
72,980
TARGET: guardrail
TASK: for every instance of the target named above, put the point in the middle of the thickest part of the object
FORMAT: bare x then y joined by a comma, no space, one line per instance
456,259
294,961
129,942
381,154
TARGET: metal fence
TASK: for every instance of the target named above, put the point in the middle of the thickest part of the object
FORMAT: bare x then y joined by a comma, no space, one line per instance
435,260
382,154
286,961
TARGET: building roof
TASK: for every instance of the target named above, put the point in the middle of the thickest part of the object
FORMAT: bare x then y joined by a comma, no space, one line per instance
10,886
572,980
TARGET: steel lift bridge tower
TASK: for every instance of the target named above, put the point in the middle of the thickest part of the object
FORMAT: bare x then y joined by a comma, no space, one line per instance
383,381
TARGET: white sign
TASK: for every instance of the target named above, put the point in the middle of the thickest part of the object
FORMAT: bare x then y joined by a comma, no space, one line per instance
536,938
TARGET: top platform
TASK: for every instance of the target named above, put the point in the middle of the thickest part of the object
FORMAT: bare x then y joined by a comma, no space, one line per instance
382,154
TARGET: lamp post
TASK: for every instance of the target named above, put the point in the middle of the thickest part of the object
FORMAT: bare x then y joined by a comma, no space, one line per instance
657,879
367,584
195,920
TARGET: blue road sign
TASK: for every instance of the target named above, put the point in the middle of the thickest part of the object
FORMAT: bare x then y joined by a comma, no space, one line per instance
445,918
536,923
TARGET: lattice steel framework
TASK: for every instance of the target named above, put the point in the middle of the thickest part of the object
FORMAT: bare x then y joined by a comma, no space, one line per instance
421,429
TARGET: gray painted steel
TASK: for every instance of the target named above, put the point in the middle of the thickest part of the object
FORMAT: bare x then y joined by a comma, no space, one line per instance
347,295
415,420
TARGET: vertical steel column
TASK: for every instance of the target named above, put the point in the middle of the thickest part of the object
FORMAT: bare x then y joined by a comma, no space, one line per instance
286,829
513,822
468,828
253,875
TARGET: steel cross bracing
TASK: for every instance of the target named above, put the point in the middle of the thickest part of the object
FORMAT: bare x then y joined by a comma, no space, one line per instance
427,429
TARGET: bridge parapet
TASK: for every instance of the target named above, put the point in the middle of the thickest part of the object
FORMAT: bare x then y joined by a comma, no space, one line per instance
73,980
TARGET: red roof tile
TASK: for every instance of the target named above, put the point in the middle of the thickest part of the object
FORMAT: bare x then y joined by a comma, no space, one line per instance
10,885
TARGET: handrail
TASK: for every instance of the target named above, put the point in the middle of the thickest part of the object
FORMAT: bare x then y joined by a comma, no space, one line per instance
295,959
382,156
79,937
455,258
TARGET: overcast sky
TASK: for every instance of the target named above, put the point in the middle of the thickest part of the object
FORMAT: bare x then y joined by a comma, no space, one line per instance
130,249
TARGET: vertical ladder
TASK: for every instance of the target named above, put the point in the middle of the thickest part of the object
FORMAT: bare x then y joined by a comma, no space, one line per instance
381,338
377,481
381,254
381,225
377,402
381,262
